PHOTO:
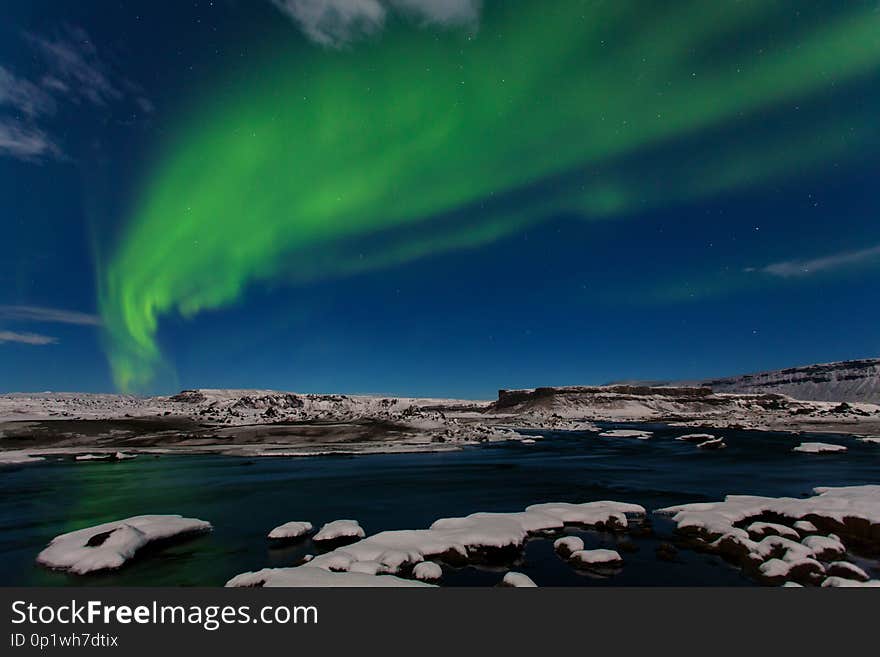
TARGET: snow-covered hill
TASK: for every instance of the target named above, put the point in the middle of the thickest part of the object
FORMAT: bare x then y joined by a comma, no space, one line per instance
849,381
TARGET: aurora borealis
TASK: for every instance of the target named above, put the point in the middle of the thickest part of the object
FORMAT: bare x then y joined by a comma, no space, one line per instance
308,163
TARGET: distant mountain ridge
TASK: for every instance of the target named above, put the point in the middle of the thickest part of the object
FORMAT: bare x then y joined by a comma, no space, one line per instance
849,380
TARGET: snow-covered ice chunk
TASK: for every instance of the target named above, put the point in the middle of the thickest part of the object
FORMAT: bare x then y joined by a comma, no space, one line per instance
599,557
427,571
626,433
518,580
340,529
792,585
292,529
308,576
528,441
93,457
111,544
715,443
818,448
568,545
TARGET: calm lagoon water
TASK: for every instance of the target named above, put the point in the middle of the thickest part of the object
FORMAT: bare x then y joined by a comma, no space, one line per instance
244,498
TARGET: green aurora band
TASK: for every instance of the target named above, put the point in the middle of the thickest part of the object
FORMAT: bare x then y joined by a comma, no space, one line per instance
327,163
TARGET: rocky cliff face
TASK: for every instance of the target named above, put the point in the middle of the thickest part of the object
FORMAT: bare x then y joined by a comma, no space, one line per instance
850,381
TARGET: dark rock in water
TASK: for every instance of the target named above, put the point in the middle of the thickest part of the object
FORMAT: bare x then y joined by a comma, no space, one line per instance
626,545
666,552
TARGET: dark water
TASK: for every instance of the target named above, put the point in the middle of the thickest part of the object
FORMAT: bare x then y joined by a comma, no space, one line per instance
245,498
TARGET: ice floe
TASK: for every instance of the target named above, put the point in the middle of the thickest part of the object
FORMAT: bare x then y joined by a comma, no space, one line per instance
291,530
714,443
111,544
818,448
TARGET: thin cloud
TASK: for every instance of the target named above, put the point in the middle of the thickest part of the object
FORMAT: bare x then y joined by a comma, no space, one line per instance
74,74
799,268
48,315
336,23
25,142
27,338
24,96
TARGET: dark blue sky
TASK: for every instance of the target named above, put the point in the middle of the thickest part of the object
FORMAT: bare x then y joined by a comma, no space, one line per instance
779,272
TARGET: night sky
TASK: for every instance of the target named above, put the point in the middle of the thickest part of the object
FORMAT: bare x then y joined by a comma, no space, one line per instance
434,197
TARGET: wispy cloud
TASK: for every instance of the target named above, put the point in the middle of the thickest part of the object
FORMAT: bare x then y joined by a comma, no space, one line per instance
839,260
24,96
48,315
27,338
73,73
24,142
336,23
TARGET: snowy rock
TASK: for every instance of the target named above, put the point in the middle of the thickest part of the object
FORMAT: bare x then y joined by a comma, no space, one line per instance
477,537
758,530
805,527
792,585
851,506
850,511
818,448
626,433
843,582
427,571
825,547
111,544
339,530
696,437
847,570
291,530
528,441
93,457
308,576
568,545
18,457
600,557
715,443
518,580
602,514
